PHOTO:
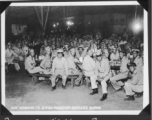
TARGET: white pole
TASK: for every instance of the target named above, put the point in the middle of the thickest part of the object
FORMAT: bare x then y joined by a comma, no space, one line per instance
46,18
38,15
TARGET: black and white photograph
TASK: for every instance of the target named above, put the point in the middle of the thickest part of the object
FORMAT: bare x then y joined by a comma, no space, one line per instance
81,58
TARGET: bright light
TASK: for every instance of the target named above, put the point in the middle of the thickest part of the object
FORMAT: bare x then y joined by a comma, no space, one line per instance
57,23
54,25
69,23
137,26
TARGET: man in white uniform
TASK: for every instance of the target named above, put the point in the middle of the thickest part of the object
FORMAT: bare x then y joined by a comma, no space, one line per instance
103,72
88,67
59,68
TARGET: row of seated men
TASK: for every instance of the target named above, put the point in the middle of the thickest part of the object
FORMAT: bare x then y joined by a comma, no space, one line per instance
16,52
98,69
95,68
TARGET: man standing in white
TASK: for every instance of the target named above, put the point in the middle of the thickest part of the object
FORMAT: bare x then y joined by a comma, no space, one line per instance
59,68
88,67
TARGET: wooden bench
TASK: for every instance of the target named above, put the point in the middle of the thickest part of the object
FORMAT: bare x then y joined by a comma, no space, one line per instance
36,75
115,67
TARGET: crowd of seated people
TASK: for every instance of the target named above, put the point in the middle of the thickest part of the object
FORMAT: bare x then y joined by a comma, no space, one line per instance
58,56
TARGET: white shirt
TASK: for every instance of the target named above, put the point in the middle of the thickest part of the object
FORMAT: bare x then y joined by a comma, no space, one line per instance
139,63
124,62
114,56
88,64
71,62
60,64
103,66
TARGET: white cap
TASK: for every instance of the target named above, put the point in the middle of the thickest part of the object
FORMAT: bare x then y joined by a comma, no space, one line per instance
48,49
60,50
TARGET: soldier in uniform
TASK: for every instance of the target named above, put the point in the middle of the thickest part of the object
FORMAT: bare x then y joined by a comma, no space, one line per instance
10,55
103,72
42,50
66,51
81,52
72,66
134,84
30,63
54,51
114,55
19,52
116,80
59,68
47,61
25,49
138,60
88,67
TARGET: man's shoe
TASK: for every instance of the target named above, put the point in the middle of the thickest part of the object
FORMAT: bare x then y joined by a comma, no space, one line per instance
95,91
129,98
138,95
53,88
104,97
64,87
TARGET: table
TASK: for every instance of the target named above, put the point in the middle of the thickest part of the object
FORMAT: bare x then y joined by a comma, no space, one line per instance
36,75
38,62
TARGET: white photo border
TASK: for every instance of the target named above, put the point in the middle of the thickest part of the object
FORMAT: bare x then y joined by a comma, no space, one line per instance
108,3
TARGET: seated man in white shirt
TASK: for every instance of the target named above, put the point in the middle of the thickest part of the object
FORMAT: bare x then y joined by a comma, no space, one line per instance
103,72
114,55
59,68
88,67
116,80
30,64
